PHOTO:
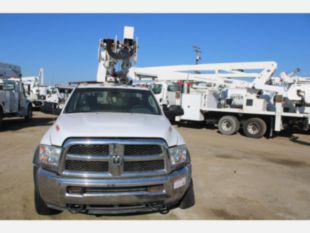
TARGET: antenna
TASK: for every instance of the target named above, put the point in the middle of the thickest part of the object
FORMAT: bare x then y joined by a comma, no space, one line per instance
41,76
197,51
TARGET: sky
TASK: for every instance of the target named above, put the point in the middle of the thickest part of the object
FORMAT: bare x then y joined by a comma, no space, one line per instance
66,45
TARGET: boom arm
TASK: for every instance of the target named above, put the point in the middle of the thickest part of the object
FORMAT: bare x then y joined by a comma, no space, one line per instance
260,72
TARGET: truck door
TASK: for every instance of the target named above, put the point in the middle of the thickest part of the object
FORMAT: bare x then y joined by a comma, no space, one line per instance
4,100
173,93
14,98
9,97
158,91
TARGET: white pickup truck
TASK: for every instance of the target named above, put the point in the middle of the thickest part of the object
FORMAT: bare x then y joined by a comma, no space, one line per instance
112,150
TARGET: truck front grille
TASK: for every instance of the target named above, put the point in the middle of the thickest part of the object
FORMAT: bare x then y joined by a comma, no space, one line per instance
114,157
142,166
142,150
86,166
89,149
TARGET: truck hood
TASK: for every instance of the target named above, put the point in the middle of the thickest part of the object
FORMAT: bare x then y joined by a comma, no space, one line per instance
111,125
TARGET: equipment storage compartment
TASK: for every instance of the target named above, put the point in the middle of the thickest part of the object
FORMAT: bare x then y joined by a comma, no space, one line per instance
191,103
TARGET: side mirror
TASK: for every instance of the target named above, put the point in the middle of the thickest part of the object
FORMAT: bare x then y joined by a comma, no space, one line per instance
173,111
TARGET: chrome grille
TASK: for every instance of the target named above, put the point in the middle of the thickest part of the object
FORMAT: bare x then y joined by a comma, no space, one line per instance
114,157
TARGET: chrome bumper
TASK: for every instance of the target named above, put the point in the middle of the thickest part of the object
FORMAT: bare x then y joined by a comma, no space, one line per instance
54,191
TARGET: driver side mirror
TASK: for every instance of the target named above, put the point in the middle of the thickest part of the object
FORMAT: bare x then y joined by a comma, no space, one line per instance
173,111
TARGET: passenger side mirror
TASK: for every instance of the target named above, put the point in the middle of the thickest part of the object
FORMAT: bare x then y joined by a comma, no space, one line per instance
173,111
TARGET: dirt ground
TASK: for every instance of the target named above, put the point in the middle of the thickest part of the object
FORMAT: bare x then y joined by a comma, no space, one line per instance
235,177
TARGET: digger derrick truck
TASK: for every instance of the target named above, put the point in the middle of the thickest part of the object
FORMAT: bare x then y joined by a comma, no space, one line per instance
13,101
35,90
112,150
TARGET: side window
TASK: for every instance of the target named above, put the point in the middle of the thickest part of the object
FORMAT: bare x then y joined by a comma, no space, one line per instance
173,88
9,86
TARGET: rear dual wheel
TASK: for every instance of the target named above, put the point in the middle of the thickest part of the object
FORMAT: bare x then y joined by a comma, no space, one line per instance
254,128
228,125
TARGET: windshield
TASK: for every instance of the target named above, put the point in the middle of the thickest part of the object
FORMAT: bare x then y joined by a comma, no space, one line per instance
112,100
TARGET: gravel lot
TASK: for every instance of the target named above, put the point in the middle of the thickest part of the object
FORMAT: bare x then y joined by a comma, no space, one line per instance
235,177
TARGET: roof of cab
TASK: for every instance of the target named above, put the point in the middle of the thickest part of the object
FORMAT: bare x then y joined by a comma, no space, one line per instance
109,85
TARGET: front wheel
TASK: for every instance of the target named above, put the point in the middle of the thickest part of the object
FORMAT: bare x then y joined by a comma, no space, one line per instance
1,117
189,198
28,117
254,128
41,206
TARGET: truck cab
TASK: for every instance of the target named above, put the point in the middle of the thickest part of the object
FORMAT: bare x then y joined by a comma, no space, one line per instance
55,98
112,150
167,93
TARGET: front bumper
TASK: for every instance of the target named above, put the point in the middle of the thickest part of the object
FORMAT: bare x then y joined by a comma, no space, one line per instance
54,191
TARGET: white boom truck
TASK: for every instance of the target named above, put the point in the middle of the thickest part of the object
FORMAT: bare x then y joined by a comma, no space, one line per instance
35,89
265,103
13,101
112,150
56,97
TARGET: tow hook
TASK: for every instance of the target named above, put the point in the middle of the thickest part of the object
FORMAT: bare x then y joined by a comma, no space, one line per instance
76,208
164,210
160,208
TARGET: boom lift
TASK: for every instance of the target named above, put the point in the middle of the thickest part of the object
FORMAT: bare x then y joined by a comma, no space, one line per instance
260,103
56,97
210,76
35,89
115,57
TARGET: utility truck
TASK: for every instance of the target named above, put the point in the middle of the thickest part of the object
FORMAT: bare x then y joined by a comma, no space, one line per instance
35,89
112,150
13,101
55,99
260,106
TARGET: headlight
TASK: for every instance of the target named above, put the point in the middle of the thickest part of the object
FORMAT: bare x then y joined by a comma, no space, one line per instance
49,157
178,155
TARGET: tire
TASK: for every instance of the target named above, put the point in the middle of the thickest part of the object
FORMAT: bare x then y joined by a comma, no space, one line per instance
254,128
189,198
54,109
228,125
28,117
41,206
1,117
